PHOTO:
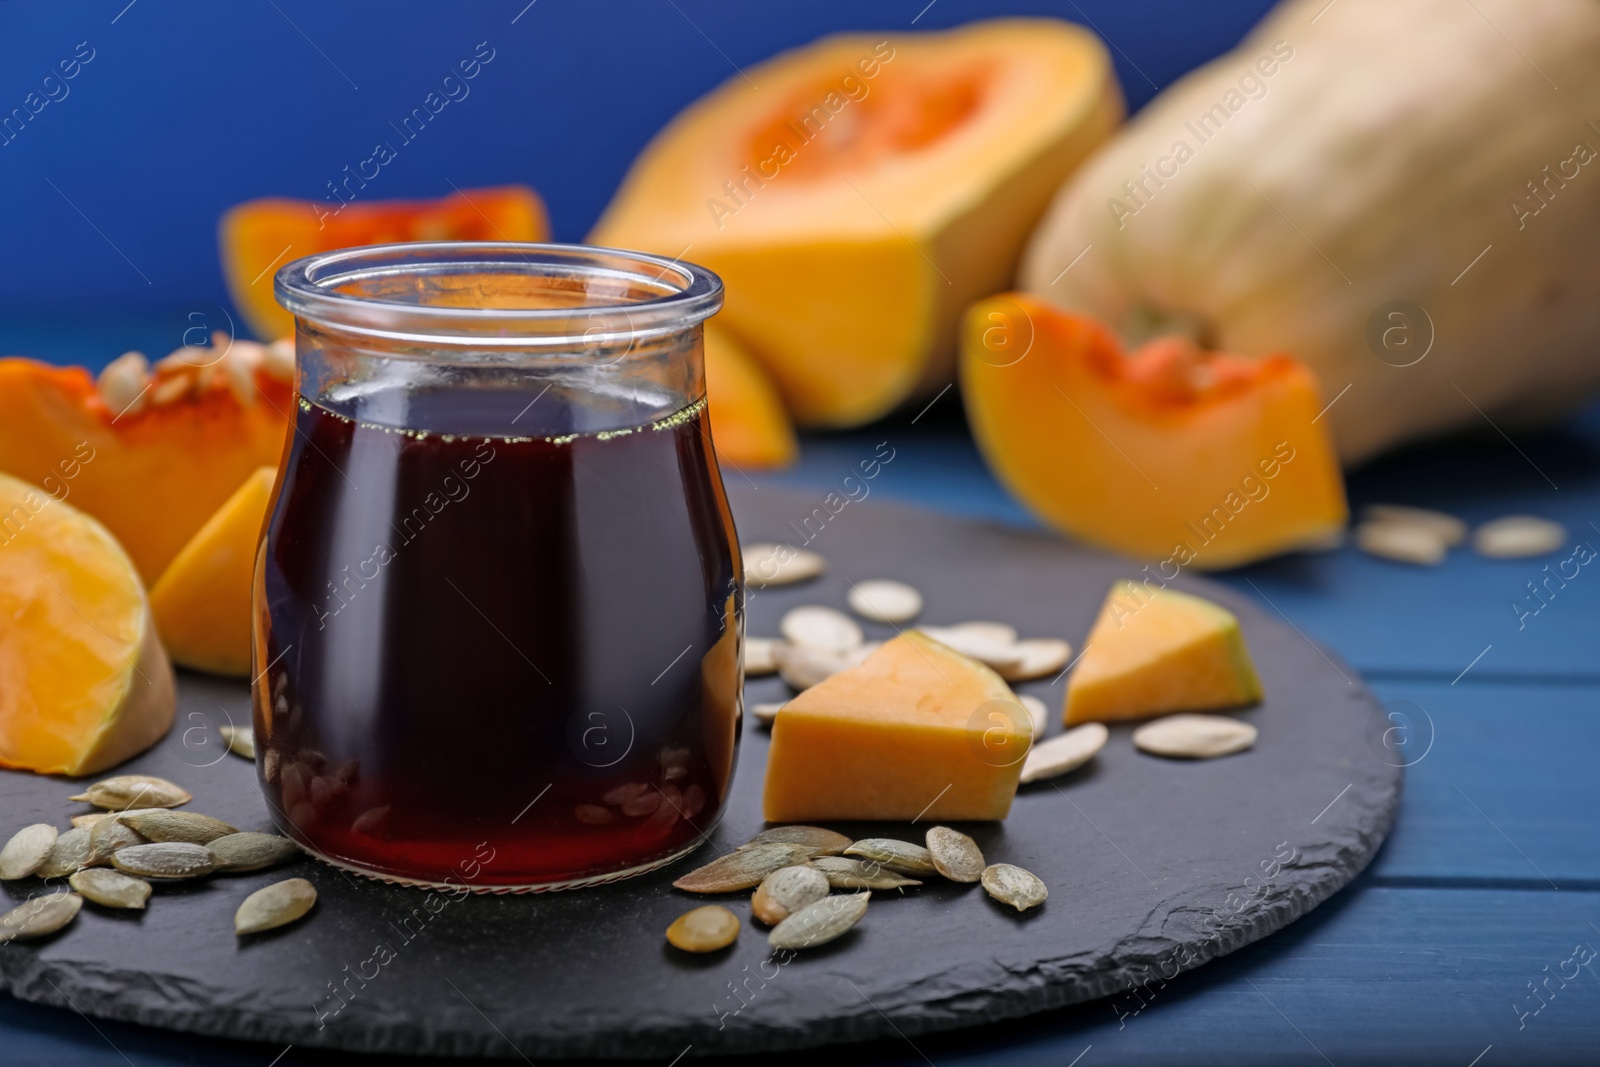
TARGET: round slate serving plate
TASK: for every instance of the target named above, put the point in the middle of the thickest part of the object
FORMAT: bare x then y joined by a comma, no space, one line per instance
1154,866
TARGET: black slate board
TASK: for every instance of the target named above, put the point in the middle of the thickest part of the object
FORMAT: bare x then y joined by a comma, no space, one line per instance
1154,867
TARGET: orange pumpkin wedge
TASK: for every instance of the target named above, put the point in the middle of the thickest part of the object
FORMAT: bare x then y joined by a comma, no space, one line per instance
84,683
748,422
1171,454
856,193
153,475
259,236
202,602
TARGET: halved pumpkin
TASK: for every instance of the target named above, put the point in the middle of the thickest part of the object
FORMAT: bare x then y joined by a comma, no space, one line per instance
1172,454
202,602
260,236
855,194
84,683
153,475
748,422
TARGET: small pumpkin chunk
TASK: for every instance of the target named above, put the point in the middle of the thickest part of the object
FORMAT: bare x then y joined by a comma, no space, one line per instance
1154,651
916,731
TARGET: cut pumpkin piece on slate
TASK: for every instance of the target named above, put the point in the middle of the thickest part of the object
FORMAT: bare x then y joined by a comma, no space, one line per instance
1193,458
153,475
260,236
748,423
202,602
84,683
1153,651
917,730
869,189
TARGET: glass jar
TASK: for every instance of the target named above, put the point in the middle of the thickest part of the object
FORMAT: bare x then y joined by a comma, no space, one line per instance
498,621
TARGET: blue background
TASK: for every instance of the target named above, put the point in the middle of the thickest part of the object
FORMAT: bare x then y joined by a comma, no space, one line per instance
108,207
189,107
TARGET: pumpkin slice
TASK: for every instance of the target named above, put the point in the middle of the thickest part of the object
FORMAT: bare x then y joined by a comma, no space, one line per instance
748,422
868,190
1175,455
260,236
1153,651
917,730
154,474
84,683
202,602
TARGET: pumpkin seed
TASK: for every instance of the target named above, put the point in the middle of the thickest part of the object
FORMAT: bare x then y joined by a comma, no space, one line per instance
1037,712
252,851
767,564
1067,752
68,854
815,626
1402,542
1041,656
241,740
815,839
900,856
239,371
277,905
787,890
27,850
759,657
765,713
165,859
91,819
704,929
171,388
979,644
742,868
882,600
1020,888
845,873
803,667
108,836
955,855
39,917
1194,736
134,790
123,382
817,924
111,889
1518,535
1451,530
164,825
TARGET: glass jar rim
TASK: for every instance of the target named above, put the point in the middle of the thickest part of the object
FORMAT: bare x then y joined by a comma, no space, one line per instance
680,294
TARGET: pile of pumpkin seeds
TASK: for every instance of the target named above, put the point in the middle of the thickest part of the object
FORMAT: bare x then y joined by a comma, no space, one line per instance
115,857
794,870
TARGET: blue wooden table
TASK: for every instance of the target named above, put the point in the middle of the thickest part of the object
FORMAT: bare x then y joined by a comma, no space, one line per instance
1450,949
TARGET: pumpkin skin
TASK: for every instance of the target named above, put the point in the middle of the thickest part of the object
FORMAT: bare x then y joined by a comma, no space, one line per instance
857,193
152,476
1174,455
1392,147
